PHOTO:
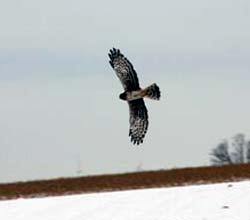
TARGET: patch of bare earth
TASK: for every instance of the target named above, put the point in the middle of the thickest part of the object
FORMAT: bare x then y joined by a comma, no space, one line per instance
102,183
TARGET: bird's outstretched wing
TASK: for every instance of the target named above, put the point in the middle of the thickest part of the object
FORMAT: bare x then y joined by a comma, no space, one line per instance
124,70
138,120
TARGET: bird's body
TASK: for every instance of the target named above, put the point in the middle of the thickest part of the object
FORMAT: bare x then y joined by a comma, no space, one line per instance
133,94
151,92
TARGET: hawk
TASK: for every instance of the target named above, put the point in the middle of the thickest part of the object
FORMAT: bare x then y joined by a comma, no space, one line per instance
133,94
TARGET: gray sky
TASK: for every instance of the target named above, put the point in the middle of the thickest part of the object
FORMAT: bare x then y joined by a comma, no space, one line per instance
60,110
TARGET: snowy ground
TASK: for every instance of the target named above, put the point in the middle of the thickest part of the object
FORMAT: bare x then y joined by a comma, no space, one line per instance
229,201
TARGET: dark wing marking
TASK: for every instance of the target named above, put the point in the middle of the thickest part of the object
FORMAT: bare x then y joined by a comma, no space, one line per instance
138,120
124,70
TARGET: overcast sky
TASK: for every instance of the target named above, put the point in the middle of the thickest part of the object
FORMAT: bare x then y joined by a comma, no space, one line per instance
60,111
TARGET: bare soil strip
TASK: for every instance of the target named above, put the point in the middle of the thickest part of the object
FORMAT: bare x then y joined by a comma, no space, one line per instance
137,180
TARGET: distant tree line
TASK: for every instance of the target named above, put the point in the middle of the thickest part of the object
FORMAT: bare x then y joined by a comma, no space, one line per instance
235,152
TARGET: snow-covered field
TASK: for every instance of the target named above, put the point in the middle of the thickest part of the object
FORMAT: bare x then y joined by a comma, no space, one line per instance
229,201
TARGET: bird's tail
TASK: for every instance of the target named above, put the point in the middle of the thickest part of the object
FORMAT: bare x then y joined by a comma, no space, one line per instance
152,92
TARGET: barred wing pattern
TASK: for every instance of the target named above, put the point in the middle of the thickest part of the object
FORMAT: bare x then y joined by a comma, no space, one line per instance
138,120
124,70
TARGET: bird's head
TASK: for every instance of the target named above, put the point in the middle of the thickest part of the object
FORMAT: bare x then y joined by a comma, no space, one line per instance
123,96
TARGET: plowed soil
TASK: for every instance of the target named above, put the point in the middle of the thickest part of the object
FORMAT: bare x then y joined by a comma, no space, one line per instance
148,179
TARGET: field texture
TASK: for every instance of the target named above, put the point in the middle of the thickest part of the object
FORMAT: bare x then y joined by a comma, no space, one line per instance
104,183
223,201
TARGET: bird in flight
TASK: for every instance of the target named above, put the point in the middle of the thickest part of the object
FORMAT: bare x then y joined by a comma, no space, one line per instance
133,94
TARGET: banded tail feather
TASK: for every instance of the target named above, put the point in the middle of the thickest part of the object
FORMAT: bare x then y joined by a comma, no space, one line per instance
153,92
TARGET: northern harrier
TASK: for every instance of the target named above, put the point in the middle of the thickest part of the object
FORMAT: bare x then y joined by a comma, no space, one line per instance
133,94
